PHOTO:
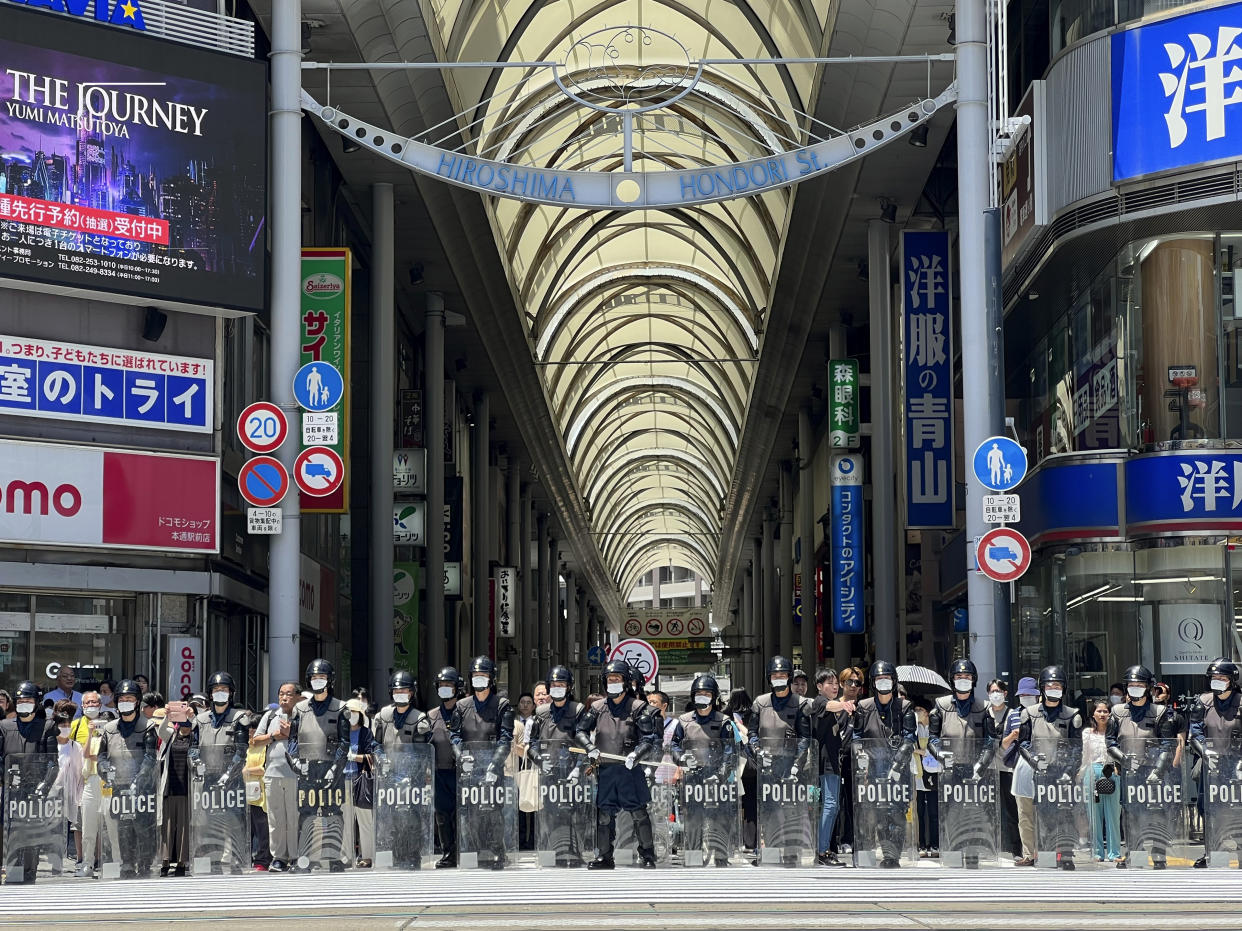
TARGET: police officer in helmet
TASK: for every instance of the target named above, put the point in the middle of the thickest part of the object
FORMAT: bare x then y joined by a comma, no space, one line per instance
318,743
553,731
1047,721
887,717
779,718
1216,729
28,753
621,724
707,753
448,691
485,719
127,764
396,726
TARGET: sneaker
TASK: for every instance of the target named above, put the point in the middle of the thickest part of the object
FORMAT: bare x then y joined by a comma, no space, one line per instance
260,867
1024,861
845,848
83,871
278,866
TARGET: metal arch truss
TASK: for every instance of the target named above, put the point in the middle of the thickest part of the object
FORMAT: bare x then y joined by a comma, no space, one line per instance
626,189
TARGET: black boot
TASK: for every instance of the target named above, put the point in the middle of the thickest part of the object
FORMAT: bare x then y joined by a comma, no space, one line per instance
605,834
602,863
447,828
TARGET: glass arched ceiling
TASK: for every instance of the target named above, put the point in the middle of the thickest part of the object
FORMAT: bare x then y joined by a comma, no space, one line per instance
646,325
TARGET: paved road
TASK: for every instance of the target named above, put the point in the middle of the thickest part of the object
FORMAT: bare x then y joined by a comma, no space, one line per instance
741,897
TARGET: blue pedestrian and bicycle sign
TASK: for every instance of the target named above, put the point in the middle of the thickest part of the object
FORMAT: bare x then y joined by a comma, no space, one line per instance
263,481
318,386
999,463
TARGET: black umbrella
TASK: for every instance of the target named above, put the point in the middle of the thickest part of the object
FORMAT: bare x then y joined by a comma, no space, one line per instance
919,680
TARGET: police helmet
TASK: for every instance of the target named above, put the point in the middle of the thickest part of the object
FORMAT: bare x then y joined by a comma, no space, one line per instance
402,679
320,667
1051,674
483,666
560,674
128,687
882,668
780,664
449,674
221,679
617,667
28,690
705,683
963,667
1139,673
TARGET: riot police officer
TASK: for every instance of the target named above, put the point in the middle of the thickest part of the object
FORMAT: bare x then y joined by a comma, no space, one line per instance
553,731
621,725
1142,737
1052,720
400,725
448,689
28,754
127,765
1216,729
318,744
889,718
485,718
707,753
778,718
962,720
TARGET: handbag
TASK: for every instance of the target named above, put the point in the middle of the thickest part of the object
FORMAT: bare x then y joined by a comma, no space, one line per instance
529,797
364,786
1106,785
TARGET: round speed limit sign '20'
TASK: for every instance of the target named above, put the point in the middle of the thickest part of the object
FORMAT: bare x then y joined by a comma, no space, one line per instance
639,654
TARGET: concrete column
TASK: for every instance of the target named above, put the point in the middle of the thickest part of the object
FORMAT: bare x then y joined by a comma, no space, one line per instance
435,654
530,587
285,549
809,533
655,587
513,551
553,642
746,634
541,571
885,566
784,557
768,624
569,630
383,391
756,616
481,524
584,636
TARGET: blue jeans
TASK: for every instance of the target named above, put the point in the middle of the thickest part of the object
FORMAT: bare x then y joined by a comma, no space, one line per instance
830,794
1105,815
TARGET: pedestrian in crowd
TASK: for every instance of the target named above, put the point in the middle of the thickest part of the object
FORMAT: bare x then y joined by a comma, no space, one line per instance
521,720
800,684
830,722
6,705
1104,806
1161,694
86,731
1116,694
143,683
518,761
1023,786
540,694
153,706
70,762
66,679
667,773
256,800
738,708
851,679
106,688
174,756
926,771
280,782
1002,762
359,787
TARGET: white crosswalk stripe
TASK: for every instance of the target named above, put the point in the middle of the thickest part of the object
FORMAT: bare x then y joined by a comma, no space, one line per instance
384,891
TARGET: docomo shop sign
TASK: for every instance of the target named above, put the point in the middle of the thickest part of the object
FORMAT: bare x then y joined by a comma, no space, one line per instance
185,660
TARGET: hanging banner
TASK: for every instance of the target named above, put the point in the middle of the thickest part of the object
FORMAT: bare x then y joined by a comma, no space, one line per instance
843,430
405,603
927,350
847,545
452,518
503,600
325,338
185,667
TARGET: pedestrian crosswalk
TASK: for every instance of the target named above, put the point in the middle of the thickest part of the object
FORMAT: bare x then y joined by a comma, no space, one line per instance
396,893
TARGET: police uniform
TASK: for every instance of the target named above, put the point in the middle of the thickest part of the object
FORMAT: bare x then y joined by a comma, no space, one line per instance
218,744
887,777
127,753
28,759
709,789
444,798
564,818
393,732
475,725
1146,737
318,743
1216,736
1059,727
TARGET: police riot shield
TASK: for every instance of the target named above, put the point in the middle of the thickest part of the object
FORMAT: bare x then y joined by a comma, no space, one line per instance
403,806
219,815
708,808
787,802
321,813
565,818
883,795
1222,803
34,817
969,814
1153,811
1062,819
486,809
131,841
662,810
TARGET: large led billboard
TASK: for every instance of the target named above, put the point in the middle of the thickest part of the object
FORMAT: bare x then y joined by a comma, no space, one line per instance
130,166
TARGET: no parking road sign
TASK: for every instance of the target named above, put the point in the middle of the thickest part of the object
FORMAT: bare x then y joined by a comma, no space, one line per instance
263,481
318,471
262,427
1003,554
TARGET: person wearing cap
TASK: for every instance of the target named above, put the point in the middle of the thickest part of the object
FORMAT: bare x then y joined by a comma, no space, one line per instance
800,683
1023,788
359,763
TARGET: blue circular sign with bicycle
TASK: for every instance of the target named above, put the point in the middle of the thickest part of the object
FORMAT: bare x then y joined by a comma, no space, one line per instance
999,463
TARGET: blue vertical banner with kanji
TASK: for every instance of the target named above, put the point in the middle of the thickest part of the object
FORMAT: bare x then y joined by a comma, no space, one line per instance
848,545
927,363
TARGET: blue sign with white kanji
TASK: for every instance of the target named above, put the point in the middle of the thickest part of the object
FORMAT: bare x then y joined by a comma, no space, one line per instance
318,386
1174,84
50,379
927,305
999,463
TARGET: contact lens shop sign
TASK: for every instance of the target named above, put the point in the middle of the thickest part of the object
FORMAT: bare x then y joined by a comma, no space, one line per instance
129,166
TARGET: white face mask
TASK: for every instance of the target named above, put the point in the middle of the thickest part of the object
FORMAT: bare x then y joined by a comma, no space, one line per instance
220,698
616,688
702,700
401,698
1218,686
1115,699
480,682
354,717
125,707
446,692
1136,691
25,707
1028,701
963,685
883,685
91,713
1053,694
779,684
319,685
64,731
558,692
996,698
